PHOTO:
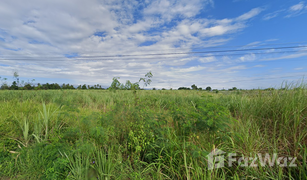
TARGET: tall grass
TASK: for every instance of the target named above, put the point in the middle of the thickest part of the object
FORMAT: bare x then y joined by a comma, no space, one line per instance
271,121
80,134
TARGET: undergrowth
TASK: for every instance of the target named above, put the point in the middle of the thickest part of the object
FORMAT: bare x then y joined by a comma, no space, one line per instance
75,134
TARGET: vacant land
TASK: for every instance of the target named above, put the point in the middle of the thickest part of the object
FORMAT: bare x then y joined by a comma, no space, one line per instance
123,134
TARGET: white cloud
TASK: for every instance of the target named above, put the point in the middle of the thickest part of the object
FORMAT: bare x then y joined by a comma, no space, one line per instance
219,30
169,9
248,57
252,13
298,69
256,66
207,59
273,14
226,26
49,30
253,44
270,40
292,11
297,7
296,55
296,10
190,69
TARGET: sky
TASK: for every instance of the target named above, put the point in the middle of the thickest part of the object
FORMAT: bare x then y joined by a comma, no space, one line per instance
222,44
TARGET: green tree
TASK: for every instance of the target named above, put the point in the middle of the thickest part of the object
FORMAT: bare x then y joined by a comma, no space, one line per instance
183,88
208,88
46,86
128,85
115,84
4,83
84,86
27,86
14,86
57,86
38,87
16,75
147,79
194,87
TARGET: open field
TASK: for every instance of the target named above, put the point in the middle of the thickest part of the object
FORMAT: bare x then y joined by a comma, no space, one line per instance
125,134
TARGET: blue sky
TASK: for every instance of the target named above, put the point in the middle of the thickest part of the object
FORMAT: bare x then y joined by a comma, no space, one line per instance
77,42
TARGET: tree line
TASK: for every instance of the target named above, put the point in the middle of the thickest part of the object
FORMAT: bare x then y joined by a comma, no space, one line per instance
208,88
115,85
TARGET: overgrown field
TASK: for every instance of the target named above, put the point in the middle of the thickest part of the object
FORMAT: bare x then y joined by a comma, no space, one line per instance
123,134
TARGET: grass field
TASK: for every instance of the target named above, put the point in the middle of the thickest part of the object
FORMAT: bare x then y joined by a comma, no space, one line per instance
152,134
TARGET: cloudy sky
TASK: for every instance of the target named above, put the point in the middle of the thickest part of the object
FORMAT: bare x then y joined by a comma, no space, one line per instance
222,44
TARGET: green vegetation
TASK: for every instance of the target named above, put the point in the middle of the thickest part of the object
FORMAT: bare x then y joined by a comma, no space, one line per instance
116,85
132,134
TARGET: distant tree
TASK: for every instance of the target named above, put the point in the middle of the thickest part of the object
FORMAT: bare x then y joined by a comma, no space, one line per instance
57,86
68,86
200,89
16,75
45,86
208,88
4,84
79,87
4,87
135,86
38,87
194,87
147,79
153,88
115,84
128,85
271,89
27,86
14,86
234,88
96,86
163,89
84,86
183,88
